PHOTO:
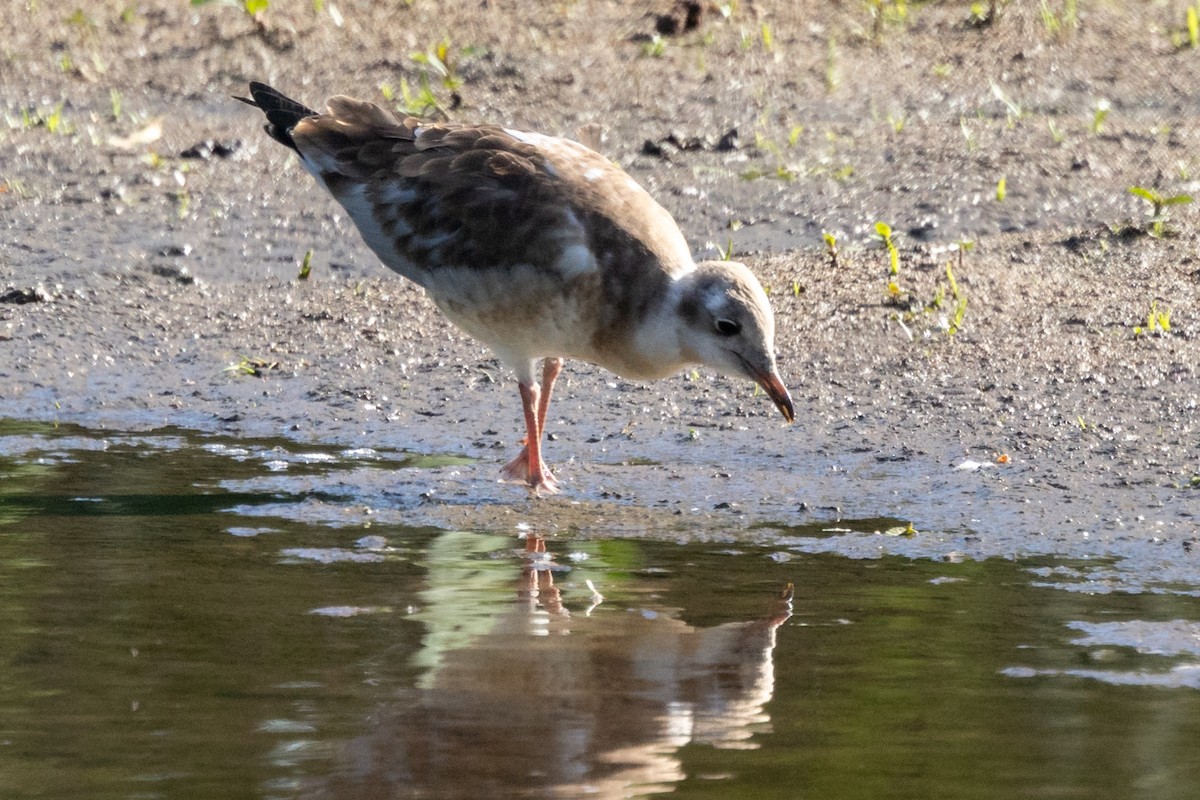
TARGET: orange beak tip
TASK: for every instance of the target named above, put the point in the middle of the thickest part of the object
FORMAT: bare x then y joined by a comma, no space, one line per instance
778,393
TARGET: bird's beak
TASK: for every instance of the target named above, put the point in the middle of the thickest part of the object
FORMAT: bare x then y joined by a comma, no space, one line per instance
778,393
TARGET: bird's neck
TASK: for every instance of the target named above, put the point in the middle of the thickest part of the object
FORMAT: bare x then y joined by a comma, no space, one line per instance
658,341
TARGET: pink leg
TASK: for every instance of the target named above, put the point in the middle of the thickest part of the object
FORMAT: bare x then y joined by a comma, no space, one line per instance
551,367
528,466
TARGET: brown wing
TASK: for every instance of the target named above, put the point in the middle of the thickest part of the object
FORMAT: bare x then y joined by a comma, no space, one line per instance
443,194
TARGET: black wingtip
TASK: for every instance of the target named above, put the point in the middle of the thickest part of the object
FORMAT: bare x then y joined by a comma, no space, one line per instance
283,113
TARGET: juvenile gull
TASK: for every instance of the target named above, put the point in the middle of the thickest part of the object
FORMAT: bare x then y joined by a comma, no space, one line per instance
537,246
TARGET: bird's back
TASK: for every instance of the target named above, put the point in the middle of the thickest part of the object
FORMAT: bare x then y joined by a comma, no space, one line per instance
464,210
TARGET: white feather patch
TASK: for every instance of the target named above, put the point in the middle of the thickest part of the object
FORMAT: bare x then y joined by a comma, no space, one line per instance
575,260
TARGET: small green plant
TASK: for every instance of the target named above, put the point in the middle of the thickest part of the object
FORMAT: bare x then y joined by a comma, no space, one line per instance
417,102
886,12
438,59
768,37
725,253
247,365
984,14
53,120
1193,27
897,121
843,173
884,232
1015,111
1158,206
254,9
1001,189
1060,23
955,320
306,266
832,78
656,47
831,247
422,100
962,247
1055,134
114,99
968,134
14,186
81,22
781,172
1157,322
1099,114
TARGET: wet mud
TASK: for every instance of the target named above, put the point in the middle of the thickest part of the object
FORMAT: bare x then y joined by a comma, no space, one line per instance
151,284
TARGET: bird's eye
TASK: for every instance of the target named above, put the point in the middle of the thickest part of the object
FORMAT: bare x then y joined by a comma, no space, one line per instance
727,327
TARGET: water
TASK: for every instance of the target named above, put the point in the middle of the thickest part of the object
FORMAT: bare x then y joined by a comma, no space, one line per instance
168,632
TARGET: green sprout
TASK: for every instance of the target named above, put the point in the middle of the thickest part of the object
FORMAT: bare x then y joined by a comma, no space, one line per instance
1001,189
831,66
831,247
1159,204
254,9
1055,134
968,134
1193,27
1015,111
419,102
114,98
1158,322
422,101
886,12
726,253
306,266
768,38
656,47
960,301
53,120
1060,23
884,232
962,246
1099,114
983,14
247,365
438,59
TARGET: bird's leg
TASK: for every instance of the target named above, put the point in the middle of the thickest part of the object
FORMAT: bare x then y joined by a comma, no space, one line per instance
536,474
535,401
551,367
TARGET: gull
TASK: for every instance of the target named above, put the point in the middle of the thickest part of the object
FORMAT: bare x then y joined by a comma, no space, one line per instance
537,246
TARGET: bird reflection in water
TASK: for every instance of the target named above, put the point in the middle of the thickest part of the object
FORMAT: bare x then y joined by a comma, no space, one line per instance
546,703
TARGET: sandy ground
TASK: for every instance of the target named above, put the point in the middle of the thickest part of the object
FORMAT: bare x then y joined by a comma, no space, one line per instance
141,280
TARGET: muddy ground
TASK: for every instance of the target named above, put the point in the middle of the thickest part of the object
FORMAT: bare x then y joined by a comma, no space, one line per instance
144,278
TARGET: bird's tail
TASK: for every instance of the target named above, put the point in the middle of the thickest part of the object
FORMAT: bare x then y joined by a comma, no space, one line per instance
282,112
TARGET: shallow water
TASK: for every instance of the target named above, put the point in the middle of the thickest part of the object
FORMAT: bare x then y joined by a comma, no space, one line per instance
169,630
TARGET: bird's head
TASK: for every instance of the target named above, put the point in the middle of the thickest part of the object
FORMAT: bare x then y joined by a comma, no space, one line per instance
731,327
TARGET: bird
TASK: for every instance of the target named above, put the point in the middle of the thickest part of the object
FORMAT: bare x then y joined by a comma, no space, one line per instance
535,245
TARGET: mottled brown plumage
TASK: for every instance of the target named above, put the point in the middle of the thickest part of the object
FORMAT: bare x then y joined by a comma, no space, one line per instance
538,246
